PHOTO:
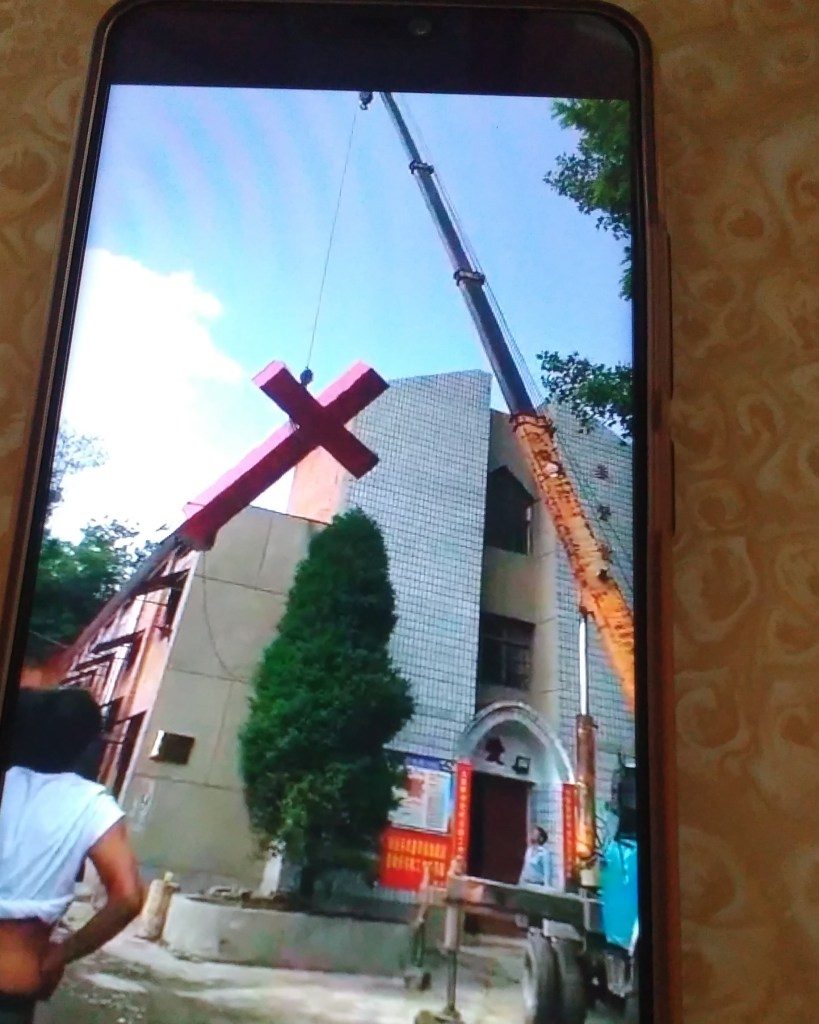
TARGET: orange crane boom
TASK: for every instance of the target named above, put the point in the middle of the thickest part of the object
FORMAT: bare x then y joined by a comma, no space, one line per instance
600,597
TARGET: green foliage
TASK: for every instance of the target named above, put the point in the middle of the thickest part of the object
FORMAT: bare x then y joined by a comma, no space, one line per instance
72,453
598,177
326,699
75,580
593,391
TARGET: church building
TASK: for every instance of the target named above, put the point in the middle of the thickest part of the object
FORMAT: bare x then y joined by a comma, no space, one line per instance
487,632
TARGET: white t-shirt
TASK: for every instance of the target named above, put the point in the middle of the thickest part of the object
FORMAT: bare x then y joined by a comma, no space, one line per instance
48,824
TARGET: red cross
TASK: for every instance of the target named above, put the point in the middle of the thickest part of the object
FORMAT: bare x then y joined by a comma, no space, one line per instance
313,423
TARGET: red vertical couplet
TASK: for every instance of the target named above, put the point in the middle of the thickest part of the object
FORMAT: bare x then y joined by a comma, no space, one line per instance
569,831
463,804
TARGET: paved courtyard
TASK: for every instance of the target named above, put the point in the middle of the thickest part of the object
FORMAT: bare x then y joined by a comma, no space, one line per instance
136,982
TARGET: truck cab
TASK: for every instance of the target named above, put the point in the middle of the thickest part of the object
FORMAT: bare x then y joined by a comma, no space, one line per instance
618,863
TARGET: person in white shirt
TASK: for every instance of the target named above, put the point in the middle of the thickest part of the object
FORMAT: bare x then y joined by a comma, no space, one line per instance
51,820
537,861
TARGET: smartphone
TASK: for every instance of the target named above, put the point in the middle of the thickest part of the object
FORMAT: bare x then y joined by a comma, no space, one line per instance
350,507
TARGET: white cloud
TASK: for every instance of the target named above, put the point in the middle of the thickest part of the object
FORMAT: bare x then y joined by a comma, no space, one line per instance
147,379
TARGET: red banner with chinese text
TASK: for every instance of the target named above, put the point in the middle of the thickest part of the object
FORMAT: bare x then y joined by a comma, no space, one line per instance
406,852
463,805
569,831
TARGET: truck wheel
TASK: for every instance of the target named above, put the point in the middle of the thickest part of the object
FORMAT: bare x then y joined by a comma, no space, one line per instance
631,1014
539,981
571,986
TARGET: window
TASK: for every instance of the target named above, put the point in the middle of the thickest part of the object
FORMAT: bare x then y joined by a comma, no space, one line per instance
110,713
505,652
174,583
172,606
172,747
508,513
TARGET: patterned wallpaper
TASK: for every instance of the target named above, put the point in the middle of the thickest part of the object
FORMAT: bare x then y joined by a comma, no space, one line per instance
739,139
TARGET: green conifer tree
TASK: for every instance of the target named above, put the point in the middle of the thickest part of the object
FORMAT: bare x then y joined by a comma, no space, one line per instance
326,699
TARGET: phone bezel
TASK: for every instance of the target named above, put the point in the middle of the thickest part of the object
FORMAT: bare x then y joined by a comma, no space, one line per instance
654,503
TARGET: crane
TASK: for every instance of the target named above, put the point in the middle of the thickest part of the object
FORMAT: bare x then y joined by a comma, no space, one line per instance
600,596
554,969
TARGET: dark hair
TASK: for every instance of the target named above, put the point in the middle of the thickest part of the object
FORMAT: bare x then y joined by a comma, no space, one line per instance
542,834
53,730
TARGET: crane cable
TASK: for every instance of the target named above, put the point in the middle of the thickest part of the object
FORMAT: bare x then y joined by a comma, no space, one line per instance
532,386
307,373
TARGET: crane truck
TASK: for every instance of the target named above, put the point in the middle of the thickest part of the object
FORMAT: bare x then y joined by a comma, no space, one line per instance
581,945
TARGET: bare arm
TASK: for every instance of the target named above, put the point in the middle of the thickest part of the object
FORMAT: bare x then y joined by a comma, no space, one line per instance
118,871
117,868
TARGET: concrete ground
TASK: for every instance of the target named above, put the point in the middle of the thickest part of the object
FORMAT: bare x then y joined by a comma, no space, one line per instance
137,982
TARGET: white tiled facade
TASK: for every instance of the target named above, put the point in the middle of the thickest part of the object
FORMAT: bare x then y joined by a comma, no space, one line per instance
428,495
600,465
437,440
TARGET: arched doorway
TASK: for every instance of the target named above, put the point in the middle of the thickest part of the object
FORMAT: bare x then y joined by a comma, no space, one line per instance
519,765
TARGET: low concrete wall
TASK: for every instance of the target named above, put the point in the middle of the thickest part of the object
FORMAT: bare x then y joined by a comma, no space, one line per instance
202,930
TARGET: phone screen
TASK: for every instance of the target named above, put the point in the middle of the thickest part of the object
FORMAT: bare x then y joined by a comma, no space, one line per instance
342,535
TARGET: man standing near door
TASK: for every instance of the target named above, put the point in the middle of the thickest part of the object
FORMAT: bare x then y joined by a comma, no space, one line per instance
537,860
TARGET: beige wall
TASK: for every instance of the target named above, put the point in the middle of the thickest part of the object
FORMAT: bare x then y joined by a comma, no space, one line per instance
191,818
319,487
523,586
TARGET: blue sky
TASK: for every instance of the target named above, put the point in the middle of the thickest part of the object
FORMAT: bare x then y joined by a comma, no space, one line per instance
209,229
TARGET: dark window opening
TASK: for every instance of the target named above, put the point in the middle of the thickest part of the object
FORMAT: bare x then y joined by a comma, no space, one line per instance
173,579
124,747
601,471
505,652
508,513
110,714
604,511
133,653
172,606
126,647
172,748
126,640
174,583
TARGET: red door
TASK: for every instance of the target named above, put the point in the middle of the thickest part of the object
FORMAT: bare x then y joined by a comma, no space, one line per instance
500,813
500,817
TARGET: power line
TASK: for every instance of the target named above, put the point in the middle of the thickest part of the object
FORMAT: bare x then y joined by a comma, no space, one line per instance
329,248
50,639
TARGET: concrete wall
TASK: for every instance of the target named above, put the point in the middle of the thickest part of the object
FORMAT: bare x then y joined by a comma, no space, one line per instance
523,586
191,818
199,930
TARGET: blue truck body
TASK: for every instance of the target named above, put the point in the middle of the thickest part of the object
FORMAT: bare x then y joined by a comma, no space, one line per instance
618,892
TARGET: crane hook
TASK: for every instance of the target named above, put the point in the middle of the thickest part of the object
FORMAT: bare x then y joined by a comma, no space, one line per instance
366,99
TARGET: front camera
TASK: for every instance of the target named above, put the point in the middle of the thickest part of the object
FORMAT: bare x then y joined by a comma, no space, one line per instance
420,27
